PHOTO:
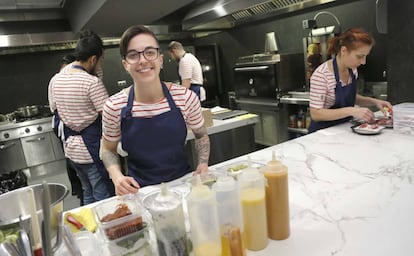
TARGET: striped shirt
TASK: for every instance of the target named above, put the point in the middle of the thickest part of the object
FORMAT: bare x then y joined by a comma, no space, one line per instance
322,86
190,67
185,99
78,97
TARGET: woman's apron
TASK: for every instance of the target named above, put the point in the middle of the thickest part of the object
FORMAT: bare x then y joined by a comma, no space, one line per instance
156,145
344,97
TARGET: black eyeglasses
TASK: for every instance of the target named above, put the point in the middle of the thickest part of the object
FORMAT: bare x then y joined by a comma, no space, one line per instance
149,53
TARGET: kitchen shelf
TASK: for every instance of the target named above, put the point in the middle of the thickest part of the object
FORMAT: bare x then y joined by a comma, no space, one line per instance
298,130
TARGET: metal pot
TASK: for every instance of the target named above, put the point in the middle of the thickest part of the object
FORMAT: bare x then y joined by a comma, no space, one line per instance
18,204
28,111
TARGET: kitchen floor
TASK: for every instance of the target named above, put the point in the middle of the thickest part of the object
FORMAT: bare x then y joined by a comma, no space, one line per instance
58,176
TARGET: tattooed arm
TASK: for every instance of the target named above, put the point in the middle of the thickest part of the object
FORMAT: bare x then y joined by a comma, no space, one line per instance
123,184
202,145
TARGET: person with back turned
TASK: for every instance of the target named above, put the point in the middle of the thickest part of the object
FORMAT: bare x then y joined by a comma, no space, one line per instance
150,118
76,186
333,92
189,69
76,96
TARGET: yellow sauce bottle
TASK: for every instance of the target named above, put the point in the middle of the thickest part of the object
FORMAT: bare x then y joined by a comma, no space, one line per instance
252,197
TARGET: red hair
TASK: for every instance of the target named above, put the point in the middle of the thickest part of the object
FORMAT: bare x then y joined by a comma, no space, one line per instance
352,39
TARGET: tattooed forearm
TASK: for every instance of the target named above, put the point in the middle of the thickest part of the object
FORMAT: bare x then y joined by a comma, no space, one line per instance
202,145
110,158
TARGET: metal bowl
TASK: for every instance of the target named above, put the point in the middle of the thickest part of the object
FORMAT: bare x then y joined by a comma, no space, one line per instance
16,203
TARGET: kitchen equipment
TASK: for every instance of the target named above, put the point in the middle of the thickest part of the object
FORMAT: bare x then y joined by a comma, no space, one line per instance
18,204
252,196
167,213
230,217
28,111
277,199
70,243
8,249
315,52
71,219
204,224
35,226
268,75
23,243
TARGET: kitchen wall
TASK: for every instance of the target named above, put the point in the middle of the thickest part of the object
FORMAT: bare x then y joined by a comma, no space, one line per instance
24,77
249,39
400,53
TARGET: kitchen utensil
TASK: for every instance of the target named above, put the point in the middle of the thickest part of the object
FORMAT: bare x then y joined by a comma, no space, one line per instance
46,233
28,111
9,249
37,242
70,242
18,203
23,241
71,219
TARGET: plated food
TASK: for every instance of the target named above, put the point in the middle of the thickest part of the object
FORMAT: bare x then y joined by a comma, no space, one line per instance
367,129
386,122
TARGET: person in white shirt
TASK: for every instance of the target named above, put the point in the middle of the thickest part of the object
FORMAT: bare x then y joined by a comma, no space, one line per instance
189,69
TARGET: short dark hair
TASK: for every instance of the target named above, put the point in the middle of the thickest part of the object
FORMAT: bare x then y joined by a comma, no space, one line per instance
130,33
68,58
89,44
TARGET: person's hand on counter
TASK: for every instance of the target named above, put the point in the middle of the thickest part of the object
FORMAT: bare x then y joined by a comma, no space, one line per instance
201,168
125,185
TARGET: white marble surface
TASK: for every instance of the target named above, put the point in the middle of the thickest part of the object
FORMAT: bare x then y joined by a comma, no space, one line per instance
349,194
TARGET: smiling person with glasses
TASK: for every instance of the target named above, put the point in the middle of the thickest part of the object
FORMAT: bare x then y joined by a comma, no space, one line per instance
150,118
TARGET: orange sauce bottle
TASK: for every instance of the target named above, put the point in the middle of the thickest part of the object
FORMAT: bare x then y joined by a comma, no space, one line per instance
277,200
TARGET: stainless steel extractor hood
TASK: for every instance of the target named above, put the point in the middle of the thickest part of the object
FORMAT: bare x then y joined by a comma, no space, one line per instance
226,14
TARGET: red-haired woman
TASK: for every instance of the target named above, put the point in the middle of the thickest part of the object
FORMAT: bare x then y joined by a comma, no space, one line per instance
333,90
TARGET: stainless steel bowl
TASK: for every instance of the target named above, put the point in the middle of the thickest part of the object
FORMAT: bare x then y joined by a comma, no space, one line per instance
16,203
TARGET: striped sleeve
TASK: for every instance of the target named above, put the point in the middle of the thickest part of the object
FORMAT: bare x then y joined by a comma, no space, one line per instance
111,116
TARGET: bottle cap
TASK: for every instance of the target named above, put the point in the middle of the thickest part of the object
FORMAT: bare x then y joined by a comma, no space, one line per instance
199,191
224,183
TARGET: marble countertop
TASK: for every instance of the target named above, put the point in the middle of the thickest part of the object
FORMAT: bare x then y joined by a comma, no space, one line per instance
350,194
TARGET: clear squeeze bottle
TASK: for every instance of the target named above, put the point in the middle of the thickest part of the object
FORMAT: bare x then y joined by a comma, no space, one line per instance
230,216
277,199
168,218
204,224
252,196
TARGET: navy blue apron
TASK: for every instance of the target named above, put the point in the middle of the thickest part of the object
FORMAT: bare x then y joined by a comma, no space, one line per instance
91,136
344,97
156,145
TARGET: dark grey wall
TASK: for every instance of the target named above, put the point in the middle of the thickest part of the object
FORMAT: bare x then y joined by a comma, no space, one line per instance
24,77
400,52
249,39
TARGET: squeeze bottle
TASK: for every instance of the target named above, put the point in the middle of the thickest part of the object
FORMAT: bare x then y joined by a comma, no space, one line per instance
252,196
168,219
277,199
230,216
204,224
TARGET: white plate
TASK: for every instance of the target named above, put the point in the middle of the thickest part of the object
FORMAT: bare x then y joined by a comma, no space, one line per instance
368,130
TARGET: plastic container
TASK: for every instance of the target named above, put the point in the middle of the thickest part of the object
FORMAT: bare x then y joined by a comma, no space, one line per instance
204,224
122,226
238,167
252,196
277,199
167,214
230,216
403,118
136,243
